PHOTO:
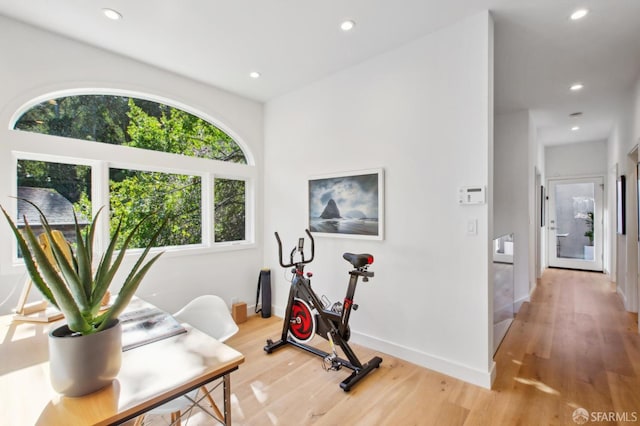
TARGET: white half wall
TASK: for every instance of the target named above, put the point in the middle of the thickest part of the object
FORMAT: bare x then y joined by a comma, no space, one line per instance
423,112
511,182
36,63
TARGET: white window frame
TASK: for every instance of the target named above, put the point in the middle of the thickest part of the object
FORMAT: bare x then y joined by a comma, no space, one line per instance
102,156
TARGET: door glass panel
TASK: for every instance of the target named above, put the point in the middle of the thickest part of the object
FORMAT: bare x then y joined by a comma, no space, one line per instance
574,220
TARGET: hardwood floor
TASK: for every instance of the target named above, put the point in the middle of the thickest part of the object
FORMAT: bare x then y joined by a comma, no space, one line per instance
572,346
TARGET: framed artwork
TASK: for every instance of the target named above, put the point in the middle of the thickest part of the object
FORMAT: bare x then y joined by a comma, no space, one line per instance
542,200
620,205
638,196
347,205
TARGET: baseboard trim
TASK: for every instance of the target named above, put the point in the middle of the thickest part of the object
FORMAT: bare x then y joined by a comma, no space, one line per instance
251,310
278,311
450,368
517,304
463,372
623,297
493,373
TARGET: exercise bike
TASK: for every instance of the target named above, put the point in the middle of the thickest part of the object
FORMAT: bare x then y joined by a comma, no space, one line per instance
307,314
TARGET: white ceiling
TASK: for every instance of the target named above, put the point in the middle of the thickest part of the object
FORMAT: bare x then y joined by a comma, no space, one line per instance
292,43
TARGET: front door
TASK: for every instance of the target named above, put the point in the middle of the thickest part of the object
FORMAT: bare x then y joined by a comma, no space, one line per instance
575,223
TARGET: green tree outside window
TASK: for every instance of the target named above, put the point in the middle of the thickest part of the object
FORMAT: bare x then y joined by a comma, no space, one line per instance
147,125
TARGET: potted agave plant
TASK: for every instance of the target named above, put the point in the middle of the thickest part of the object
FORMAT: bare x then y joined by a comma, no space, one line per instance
85,353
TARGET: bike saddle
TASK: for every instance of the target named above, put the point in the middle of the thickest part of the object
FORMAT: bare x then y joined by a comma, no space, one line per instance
358,260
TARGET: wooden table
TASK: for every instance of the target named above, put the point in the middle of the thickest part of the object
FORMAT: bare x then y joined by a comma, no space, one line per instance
150,376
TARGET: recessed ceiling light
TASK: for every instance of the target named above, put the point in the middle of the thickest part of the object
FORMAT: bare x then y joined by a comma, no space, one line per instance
112,14
579,14
576,86
254,74
347,25
574,128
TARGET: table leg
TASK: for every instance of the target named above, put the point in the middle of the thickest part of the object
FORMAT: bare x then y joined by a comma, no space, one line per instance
227,399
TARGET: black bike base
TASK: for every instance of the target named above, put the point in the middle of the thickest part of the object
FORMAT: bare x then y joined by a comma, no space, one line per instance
358,372
358,375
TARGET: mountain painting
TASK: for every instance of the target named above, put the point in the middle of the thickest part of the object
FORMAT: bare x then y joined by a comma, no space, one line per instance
347,205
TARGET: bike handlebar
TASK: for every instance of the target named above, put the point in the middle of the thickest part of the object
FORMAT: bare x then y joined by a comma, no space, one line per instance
299,248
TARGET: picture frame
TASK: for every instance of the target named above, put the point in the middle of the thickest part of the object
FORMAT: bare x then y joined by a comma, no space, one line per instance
542,205
347,204
620,205
638,197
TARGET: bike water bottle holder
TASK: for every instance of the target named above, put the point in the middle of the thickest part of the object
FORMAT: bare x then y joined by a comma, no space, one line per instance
325,301
332,307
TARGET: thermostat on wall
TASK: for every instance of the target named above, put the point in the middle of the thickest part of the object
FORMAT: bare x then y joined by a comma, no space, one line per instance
471,195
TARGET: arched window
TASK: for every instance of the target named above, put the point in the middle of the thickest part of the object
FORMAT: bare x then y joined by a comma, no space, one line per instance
197,173
140,123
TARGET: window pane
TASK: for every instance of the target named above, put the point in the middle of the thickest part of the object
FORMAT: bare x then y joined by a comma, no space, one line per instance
58,190
575,204
135,194
229,210
140,123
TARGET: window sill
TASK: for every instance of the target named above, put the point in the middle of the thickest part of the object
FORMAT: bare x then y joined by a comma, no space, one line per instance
17,266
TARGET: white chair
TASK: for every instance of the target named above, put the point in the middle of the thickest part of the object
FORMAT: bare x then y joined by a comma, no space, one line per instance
210,315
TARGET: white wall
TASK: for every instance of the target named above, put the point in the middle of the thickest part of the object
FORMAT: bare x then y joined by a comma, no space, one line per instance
624,137
511,208
576,159
36,63
423,113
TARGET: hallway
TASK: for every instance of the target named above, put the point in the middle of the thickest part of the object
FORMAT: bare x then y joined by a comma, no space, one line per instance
573,346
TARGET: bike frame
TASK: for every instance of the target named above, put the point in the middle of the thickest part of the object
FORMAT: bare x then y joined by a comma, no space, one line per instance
335,325
301,288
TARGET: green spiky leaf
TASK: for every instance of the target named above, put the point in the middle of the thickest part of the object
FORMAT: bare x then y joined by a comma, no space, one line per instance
70,285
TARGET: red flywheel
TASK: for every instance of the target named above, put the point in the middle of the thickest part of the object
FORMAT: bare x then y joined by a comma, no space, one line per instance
302,325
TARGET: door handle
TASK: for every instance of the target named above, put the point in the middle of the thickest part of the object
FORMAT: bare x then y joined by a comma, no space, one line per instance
553,228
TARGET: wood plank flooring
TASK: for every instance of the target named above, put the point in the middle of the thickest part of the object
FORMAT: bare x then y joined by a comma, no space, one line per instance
572,346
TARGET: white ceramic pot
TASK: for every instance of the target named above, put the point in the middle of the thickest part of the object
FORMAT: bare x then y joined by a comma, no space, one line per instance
588,253
80,364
